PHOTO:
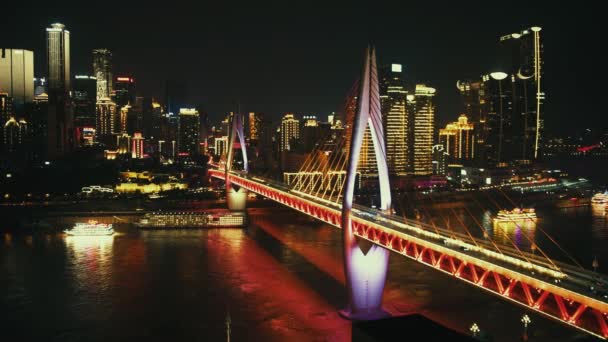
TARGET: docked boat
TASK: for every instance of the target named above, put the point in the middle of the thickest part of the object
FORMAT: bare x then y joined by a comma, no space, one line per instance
516,215
161,220
90,228
600,198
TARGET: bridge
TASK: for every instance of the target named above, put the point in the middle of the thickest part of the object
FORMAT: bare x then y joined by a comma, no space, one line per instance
558,290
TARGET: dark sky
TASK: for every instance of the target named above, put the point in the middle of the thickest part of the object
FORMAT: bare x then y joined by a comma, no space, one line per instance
289,57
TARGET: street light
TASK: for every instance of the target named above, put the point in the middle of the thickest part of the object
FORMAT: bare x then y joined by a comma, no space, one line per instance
474,329
525,319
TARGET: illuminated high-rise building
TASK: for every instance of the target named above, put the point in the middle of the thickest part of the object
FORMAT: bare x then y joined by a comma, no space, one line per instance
137,150
6,112
16,76
458,140
393,97
58,58
60,123
220,145
506,104
290,132
106,119
124,91
522,61
12,135
188,129
84,100
424,124
310,132
255,126
102,69
440,160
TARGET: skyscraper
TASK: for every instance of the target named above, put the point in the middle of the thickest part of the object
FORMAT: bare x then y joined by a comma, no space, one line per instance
255,126
522,61
106,120
124,91
137,150
84,100
16,76
424,123
310,132
188,129
6,112
60,125
506,104
290,132
102,69
58,58
393,101
458,140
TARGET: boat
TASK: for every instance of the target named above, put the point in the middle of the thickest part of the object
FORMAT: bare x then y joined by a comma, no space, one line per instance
600,198
160,220
90,228
516,215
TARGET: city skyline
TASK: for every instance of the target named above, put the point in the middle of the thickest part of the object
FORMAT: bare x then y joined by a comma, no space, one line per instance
275,68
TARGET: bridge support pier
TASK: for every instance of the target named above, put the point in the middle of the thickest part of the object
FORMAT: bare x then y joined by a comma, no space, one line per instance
236,198
365,273
366,279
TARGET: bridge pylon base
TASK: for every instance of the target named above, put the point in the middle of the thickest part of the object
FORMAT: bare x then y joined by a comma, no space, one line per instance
368,315
236,199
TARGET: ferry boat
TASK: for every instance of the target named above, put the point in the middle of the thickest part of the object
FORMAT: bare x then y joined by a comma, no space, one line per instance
160,220
90,228
516,215
600,198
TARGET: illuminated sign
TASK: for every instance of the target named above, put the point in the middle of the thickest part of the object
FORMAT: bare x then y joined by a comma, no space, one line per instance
124,79
396,67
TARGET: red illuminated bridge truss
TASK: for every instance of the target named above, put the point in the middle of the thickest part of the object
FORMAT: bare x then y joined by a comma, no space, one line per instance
565,298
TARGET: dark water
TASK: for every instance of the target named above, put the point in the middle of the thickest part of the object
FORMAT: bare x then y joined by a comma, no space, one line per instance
279,279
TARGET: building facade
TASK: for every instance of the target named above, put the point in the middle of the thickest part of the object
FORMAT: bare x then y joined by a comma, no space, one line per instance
393,99
290,132
16,76
188,129
60,123
458,140
102,70
423,130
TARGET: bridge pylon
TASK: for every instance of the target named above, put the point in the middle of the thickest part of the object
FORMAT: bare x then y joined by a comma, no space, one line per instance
236,197
365,273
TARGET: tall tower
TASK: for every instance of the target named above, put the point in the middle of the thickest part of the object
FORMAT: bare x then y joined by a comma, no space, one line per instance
16,75
424,125
393,97
60,125
102,69
188,129
290,132
521,59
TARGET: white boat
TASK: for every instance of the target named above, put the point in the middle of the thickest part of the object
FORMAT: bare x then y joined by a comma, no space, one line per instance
600,198
516,215
90,228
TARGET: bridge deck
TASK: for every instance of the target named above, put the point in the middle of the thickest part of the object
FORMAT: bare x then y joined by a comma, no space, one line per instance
557,290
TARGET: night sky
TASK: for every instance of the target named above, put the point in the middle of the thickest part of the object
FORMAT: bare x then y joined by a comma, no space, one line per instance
285,57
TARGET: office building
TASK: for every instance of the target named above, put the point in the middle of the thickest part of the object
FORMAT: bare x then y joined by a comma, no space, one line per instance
458,140
16,75
102,70
84,102
124,91
137,150
393,97
60,124
423,128
290,133
106,120
188,129
255,126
